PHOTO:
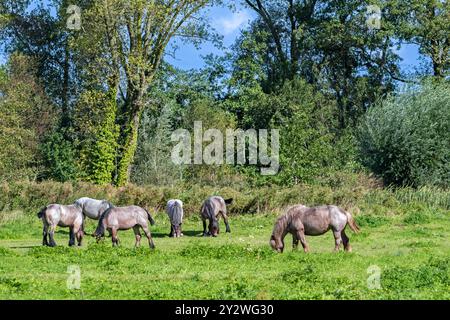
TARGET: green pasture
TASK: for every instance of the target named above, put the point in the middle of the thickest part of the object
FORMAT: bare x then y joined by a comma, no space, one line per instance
411,252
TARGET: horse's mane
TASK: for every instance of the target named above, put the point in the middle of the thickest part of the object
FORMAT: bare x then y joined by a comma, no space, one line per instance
283,222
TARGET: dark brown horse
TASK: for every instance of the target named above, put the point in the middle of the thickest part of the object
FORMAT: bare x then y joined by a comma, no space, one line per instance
301,221
212,208
63,216
125,218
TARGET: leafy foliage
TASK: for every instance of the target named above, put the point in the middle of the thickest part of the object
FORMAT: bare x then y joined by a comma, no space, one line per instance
406,139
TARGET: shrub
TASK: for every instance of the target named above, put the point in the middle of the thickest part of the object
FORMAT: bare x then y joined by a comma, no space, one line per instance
406,139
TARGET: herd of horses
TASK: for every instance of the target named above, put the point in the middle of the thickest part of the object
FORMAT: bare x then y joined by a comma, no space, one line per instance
299,221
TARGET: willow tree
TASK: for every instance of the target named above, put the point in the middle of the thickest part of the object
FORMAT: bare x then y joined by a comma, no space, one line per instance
128,40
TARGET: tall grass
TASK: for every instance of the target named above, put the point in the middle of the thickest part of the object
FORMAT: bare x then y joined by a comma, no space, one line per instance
30,196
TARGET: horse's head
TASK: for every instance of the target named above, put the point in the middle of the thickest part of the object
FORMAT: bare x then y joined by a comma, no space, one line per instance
98,236
276,244
177,231
214,228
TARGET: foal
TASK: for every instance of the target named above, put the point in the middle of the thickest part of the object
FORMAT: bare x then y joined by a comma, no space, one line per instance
300,221
211,209
63,216
125,218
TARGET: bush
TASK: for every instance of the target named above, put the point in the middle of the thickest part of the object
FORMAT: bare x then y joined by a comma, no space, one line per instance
406,139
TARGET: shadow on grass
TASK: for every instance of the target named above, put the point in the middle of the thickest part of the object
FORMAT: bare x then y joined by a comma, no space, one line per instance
189,234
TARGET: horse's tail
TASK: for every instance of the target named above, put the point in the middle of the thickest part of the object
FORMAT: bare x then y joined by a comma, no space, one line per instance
150,218
228,201
100,231
41,213
351,222
176,214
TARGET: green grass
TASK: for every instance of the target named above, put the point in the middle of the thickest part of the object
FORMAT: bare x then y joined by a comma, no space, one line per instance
412,250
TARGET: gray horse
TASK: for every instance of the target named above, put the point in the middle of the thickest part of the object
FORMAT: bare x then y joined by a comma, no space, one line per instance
92,208
64,216
175,212
211,209
125,218
301,220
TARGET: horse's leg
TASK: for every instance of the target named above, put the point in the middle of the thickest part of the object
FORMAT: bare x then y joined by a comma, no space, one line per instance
205,233
337,239
301,236
149,237
79,233
115,239
51,235
294,241
44,234
225,219
137,233
171,234
71,237
346,241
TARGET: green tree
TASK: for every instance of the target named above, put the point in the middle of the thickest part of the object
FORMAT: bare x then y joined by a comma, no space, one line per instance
95,122
427,25
326,43
133,37
22,101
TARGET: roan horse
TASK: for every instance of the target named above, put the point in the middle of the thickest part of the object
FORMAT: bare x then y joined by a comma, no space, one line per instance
125,218
64,216
211,209
175,213
300,221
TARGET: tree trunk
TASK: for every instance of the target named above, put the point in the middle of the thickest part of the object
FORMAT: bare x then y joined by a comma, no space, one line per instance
65,90
130,120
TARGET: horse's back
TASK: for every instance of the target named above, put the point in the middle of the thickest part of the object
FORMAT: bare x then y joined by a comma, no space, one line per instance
94,208
316,220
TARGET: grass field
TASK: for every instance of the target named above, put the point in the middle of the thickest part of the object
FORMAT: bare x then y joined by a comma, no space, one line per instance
412,253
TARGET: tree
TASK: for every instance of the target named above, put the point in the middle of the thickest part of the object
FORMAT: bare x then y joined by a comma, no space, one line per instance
328,44
133,37
427,26
22,101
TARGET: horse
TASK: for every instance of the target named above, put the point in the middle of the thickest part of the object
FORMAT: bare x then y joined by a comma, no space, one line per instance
64,216
93,208
301,220
125,218
211,209
175,212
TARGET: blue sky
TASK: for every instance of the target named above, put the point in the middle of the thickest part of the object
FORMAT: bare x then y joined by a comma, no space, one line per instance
229,23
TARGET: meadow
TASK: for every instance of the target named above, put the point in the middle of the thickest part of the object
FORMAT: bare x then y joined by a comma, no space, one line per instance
409,246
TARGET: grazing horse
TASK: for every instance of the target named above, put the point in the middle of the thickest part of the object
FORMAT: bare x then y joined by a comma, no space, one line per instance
211,209
300,221
125,218
175,213
93,208
64,216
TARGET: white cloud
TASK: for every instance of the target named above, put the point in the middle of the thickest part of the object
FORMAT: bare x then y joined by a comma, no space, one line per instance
232,23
